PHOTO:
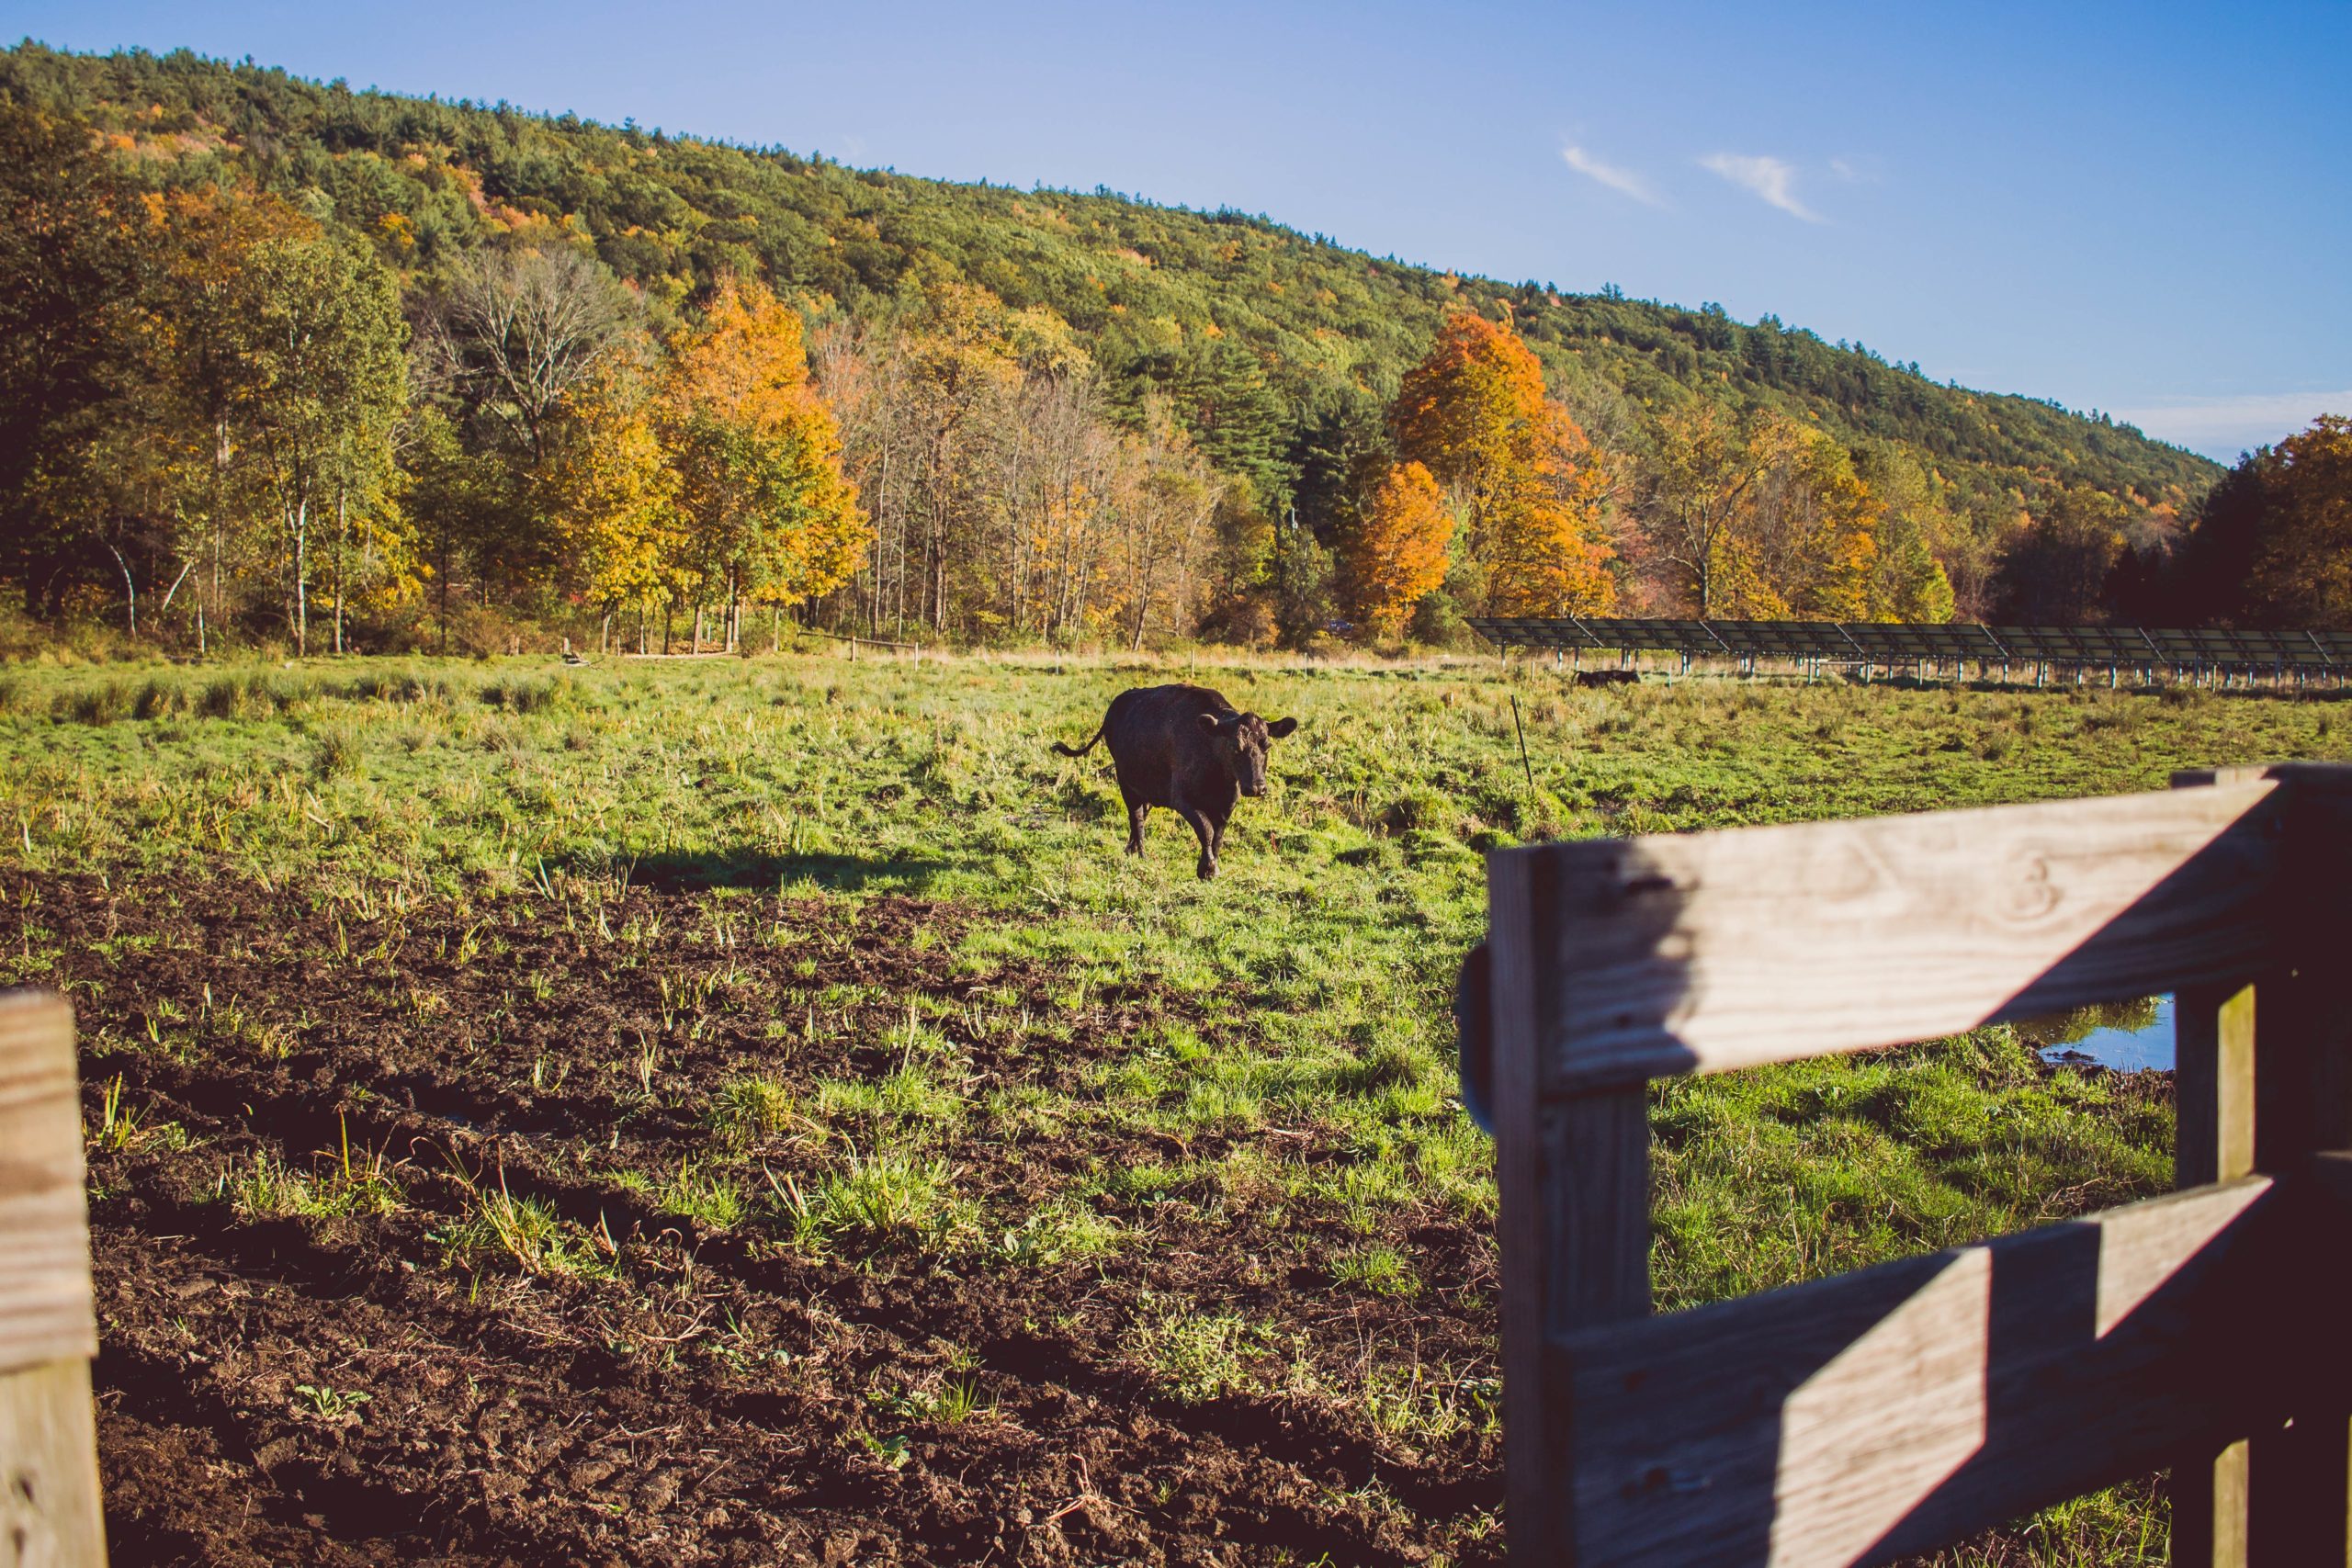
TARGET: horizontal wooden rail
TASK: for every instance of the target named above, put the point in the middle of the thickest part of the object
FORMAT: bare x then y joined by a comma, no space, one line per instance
1710,952
1895,1409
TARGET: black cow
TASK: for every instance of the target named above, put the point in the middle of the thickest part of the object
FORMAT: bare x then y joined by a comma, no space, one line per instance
1607,677
1188,750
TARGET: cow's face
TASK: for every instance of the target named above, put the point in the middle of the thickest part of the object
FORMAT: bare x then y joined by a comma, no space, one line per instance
1242,738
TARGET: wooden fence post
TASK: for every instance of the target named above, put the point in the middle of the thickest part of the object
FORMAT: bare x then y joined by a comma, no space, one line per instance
1578,1255
49,1456
2261,1084
2214,1089
2299,1480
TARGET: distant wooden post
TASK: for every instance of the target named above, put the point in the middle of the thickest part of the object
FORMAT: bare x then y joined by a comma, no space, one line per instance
49,1454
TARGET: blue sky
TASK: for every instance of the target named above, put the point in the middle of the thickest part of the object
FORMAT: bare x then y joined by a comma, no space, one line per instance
2140,208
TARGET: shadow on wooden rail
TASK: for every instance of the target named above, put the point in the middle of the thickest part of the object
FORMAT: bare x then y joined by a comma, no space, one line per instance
1894,1409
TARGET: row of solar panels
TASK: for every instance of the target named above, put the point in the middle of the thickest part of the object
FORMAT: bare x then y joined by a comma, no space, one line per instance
1886,642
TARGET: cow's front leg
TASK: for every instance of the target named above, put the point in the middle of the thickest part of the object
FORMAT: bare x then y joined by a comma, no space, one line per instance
1208,833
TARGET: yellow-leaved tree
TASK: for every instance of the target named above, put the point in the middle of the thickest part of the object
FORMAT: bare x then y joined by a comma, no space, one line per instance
1769,519
769,517
1809,546
1529,486
1400,551
612,498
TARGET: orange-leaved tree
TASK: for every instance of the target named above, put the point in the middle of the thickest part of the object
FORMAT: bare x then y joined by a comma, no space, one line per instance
1529,485
770,518
1400,551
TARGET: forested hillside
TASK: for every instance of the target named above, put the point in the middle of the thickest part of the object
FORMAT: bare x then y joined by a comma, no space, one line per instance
1236,374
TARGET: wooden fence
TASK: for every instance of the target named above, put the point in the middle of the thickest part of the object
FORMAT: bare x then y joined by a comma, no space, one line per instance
1897,1408
49,1454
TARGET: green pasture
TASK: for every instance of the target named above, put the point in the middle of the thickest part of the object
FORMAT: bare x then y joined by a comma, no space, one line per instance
1325,950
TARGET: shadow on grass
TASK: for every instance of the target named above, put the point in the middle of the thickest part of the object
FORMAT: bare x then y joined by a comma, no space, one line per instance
767,873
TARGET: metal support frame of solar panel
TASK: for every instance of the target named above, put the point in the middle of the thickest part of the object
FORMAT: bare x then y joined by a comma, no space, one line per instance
1770,639
2280,650
2214,648
1550,634
1888,642
2180,649
1966,640
1644,634
2026,644
2110,646
2059,645
2300,650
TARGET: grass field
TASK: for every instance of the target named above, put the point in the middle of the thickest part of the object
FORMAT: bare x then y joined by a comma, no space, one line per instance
743,1110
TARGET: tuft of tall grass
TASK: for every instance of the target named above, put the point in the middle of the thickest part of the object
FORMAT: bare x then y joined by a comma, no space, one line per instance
527,1232
748,1110
884,1202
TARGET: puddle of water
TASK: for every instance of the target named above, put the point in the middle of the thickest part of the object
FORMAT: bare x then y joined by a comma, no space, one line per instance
2129,1037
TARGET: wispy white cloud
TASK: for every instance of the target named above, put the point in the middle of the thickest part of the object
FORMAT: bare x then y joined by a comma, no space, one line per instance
2223,427
1771,178
1623,181
1858,169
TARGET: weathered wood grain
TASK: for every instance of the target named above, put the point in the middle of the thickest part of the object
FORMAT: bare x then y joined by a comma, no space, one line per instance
45,1305
48,1460
1596,1202
50,1513
1518,912
1715,951
1888,1411
1574,1234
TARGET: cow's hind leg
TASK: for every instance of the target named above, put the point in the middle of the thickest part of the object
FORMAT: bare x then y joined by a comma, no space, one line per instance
1137,812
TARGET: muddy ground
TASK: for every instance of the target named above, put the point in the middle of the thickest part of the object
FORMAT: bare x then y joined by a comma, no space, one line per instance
314,1350
342,1376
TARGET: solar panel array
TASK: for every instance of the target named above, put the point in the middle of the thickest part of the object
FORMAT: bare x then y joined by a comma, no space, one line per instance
1880,642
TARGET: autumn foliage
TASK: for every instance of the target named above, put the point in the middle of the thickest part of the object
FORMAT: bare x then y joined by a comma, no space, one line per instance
1474,413
1768,519
1400,552
758,454
235,398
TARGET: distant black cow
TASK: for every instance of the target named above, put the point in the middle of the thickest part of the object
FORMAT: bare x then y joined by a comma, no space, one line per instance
1607,677
1188,750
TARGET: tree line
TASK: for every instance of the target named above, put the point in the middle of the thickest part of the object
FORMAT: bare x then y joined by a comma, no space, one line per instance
210,399
226,408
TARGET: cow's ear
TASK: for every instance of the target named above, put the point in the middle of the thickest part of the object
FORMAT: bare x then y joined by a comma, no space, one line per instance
1208,723
1281,728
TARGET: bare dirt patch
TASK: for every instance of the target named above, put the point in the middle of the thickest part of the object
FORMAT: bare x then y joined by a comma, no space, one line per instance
317,1347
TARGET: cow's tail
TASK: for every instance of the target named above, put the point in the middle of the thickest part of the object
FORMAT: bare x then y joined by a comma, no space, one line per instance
1080,750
